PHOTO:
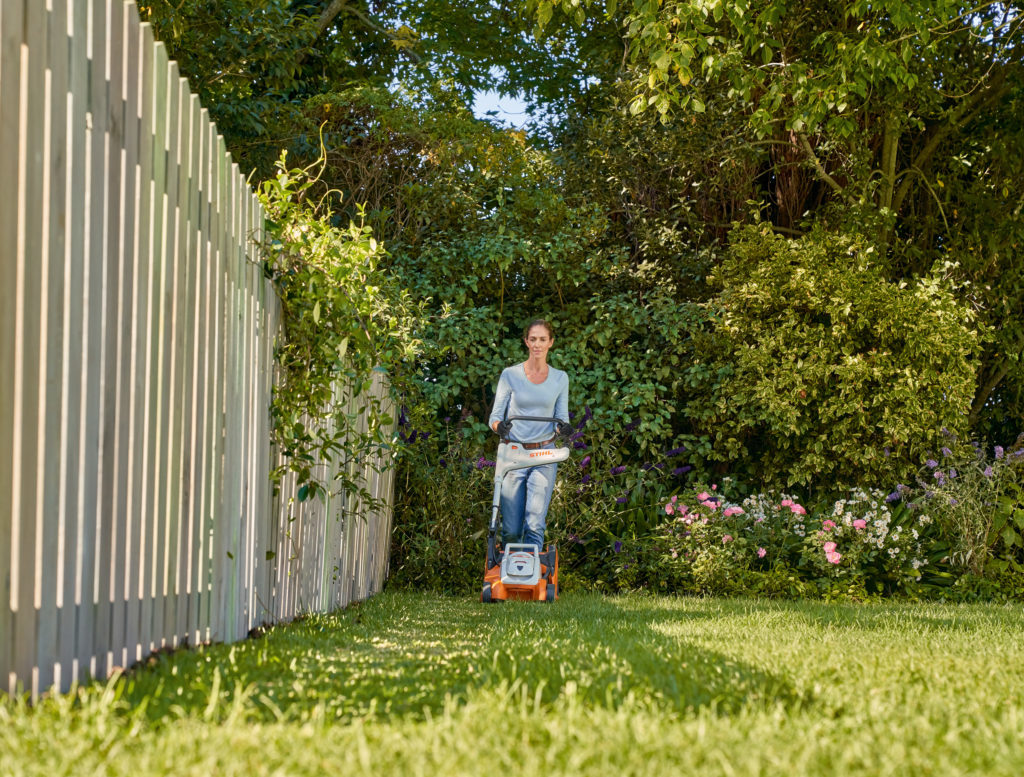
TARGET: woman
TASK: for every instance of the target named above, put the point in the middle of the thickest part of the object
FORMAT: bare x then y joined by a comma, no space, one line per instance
532,388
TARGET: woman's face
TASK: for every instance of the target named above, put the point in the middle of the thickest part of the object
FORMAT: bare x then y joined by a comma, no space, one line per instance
538,341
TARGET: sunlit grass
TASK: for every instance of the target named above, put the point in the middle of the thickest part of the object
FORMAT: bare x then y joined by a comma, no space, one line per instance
417,684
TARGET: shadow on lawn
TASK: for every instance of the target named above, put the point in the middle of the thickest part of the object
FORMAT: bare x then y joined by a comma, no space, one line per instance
407,655
902,617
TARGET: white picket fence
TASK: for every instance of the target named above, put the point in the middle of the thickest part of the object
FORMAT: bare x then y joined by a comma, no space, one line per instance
136,363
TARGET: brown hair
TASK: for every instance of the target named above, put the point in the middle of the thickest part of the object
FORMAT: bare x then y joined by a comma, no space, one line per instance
538,322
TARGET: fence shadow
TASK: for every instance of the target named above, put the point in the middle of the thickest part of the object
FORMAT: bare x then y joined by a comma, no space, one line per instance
408,656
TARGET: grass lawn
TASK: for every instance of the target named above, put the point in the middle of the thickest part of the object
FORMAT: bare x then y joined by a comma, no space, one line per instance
426,685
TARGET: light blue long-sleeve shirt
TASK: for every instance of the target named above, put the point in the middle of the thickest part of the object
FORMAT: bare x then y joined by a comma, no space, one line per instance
549,399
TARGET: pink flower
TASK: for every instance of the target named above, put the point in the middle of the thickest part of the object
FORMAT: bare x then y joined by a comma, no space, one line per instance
669,508
709,503
786,503
675,499
730,511
833,558
726,538
830,547
797,509
714,487
703,496
860,523
761,552
828,525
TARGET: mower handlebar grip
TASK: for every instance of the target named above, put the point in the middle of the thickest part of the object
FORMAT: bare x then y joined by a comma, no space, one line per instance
562,429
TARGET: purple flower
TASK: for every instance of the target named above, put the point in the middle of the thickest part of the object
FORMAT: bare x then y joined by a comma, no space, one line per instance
999,451
482,462
618,470
893,497
646,466
931,463
572,415
576,436
412,437
681,470
953,503
447,419
952,473
579,445
621,500
587,412
425,435
946,452
585,463
886,451
403,419
618,546
442,462
675,451
585,479
940,477
988,472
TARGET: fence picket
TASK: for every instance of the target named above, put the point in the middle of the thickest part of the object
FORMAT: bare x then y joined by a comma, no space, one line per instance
189,628
120,229
30,285
139,148
73,458
11,27
51,526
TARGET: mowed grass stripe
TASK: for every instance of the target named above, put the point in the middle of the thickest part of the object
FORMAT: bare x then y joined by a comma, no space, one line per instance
421,684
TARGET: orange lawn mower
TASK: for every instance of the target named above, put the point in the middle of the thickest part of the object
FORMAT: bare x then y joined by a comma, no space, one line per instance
520,570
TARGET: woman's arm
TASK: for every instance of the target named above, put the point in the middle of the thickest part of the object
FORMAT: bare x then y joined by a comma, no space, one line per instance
562,402
501,399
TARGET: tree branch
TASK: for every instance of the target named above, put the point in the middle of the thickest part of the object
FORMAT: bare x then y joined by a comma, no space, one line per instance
337,6
329,15
964,113
985,391
805,144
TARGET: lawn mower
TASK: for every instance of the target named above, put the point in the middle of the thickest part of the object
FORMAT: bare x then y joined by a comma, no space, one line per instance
519,570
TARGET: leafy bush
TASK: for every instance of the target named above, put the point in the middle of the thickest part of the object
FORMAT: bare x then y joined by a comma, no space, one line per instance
342,318
443,496
822,372
976,501
869,540
772,544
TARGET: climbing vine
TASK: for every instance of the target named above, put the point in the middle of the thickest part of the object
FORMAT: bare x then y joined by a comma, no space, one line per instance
343,319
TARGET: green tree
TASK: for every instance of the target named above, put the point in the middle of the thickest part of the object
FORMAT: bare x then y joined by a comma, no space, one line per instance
899,120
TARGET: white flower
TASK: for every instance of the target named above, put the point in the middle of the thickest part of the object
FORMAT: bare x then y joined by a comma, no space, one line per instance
914,533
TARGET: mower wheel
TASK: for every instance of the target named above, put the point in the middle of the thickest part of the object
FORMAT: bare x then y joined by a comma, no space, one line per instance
485,596
551,593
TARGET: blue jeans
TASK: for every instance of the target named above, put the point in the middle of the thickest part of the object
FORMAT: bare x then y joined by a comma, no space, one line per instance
525,496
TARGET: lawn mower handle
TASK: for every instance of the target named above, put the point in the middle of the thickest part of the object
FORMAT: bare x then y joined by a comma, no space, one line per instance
555,421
